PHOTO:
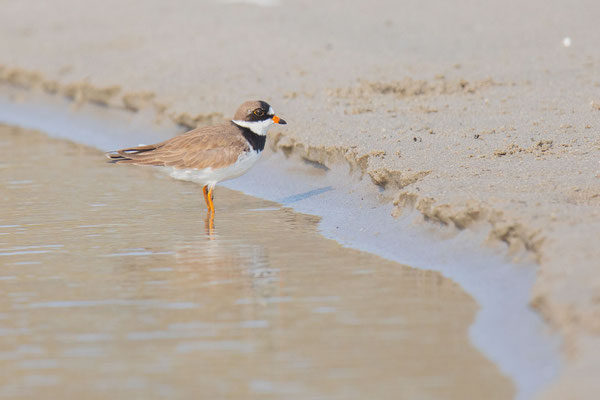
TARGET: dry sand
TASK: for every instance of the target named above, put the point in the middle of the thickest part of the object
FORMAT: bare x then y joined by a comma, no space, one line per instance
479,116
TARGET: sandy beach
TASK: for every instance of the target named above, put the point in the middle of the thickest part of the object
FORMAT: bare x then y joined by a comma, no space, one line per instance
481,117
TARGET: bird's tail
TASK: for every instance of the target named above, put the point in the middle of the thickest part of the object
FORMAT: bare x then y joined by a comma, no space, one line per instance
131,154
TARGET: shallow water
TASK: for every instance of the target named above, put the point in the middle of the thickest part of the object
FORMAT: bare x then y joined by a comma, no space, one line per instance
115,286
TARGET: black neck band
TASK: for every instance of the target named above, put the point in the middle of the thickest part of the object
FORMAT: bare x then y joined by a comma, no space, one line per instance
257,142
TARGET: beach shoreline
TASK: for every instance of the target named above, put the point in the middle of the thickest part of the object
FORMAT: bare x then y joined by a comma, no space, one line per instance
529,356
227,305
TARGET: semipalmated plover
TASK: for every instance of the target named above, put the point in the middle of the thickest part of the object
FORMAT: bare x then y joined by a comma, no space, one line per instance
211,154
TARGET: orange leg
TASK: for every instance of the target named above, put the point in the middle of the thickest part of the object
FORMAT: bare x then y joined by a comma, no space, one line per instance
205,193
210,197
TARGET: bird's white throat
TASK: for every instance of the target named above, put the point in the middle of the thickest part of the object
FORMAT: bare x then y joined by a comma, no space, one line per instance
258,127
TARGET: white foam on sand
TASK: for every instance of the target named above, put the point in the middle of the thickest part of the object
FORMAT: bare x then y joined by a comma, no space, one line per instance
506,329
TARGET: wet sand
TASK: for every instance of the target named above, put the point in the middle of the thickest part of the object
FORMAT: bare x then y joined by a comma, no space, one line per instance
115,286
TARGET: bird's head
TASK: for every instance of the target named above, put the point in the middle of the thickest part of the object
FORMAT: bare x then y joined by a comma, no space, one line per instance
257,116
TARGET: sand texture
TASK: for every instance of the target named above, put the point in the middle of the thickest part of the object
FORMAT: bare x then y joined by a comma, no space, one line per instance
478,116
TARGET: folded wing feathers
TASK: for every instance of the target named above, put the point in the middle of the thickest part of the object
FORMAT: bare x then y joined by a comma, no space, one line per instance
198,149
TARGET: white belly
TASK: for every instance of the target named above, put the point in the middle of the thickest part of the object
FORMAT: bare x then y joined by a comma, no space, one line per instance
210,176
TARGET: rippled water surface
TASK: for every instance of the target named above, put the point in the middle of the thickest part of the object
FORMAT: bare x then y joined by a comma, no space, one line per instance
113,285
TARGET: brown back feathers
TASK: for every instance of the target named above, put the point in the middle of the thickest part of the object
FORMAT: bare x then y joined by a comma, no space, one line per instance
214,146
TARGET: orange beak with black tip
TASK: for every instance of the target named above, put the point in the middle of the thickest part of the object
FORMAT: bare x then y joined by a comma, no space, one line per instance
278,120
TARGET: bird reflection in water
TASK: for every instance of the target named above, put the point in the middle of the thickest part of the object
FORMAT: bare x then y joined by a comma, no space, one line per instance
209,224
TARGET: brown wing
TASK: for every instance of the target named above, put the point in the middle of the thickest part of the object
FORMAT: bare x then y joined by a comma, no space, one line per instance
215,146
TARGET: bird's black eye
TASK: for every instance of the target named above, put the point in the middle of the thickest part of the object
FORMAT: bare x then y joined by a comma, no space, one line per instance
259,112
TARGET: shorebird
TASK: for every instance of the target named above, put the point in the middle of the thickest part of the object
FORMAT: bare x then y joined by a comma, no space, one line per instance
211,154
